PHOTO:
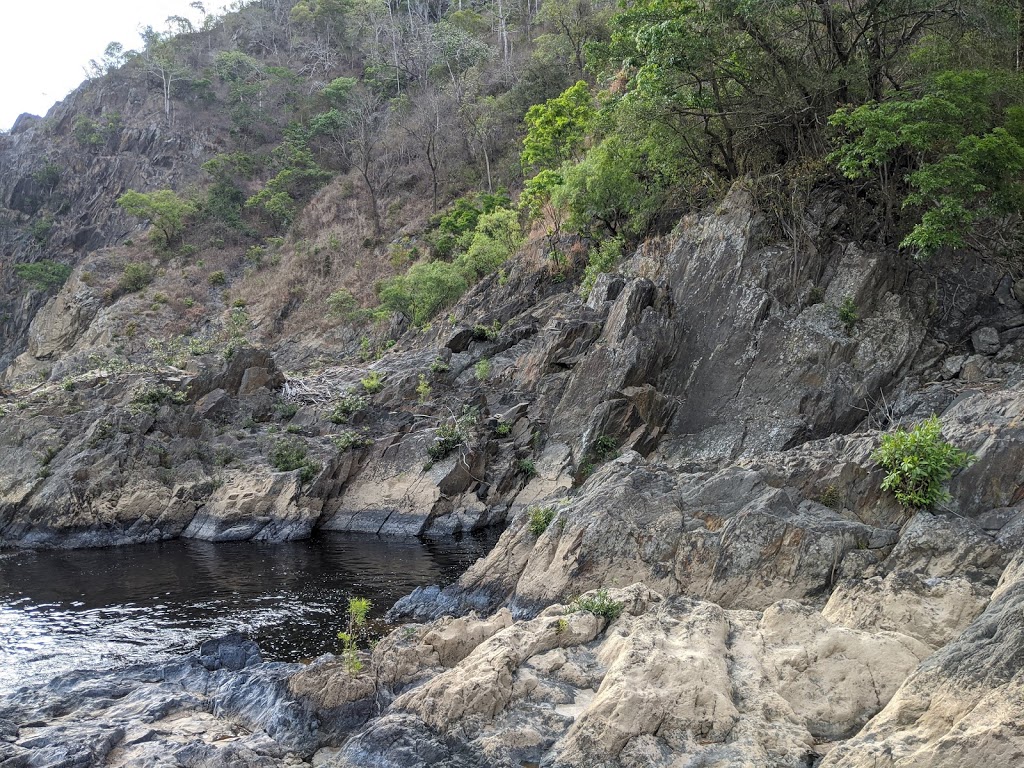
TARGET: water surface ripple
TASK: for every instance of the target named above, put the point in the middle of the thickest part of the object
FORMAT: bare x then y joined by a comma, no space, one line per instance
99,608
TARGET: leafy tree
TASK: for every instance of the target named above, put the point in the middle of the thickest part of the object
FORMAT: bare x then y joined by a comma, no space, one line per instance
163,208
556,129
423,291
951,154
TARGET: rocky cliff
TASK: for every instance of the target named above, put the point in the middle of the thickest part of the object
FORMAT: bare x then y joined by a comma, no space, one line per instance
697,432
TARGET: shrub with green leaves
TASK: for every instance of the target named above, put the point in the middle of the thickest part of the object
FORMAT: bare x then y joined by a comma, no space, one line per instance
43,274
601,259
134,277
452,434
918,462
372,382
288,455
346,406
598,604
163,208
848,314
482,369
540,519
358,611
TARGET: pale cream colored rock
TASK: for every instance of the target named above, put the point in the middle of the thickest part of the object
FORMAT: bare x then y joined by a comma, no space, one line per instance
933,610
962,708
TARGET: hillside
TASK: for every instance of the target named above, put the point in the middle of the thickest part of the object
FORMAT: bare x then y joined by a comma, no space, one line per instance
647,288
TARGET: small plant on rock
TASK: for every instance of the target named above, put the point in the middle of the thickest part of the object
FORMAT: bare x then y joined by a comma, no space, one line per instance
503,429
289,455
439,366
452,434
527,467
358,610
347,406
490,332
540,519
598,604
372,382
848,314
482,369
349,439
918,462
423,389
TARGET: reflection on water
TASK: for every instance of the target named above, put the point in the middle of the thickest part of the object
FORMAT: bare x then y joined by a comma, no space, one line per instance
105,607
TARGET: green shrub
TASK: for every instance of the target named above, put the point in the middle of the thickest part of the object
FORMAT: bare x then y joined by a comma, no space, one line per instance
134,277
604,448
288,455
601,259
372,382
918,462
527,467
423,389
848,314
452,434
349,439
43,274
439,366
347,406
540,519
482,369
599,604
147,398
503,429
217,278
490,332
358,610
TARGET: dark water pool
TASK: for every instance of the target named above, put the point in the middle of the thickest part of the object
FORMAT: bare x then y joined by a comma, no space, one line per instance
106,607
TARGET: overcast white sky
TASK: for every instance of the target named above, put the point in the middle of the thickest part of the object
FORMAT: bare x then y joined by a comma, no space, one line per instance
44,44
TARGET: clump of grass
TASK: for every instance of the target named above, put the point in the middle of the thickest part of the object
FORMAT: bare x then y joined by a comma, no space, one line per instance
540,519
598,604
289,455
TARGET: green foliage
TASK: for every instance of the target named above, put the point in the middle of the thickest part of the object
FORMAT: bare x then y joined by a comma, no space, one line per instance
289,454
350,440
496,237
438,365
167,212
539,519
147,398
43,274
47,177
358,611
600,259
503,429
452,434
455,228
953,151
298,177
372,382
91,133
217,278
346,407
556,129
490,332
599,604
527,467
918,462
423,389
135,276
423,291
482,369
848,314
343,304
604,448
